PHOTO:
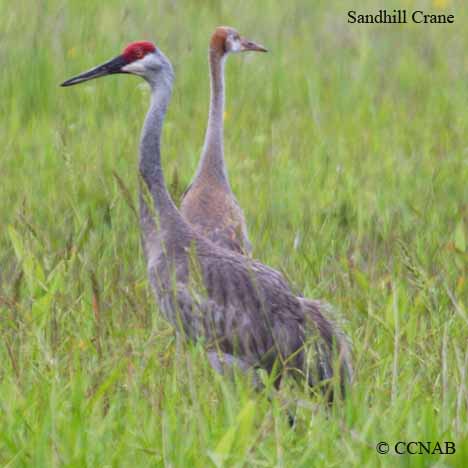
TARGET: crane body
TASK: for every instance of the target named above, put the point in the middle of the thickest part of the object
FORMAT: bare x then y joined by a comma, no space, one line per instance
244,311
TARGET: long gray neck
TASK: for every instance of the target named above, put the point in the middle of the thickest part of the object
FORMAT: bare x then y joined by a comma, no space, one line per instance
150,159
212,161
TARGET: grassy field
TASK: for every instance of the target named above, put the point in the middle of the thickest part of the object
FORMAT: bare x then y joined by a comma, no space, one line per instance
347,148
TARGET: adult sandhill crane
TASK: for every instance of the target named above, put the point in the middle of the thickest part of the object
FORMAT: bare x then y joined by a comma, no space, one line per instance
243,310
209,203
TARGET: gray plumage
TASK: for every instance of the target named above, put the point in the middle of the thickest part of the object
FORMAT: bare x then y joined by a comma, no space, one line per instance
244,311
237,305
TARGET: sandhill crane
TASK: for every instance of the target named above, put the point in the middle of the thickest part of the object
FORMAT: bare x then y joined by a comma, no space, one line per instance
244,311
209,203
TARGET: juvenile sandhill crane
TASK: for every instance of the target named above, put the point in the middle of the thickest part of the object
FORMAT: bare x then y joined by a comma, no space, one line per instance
209,203
243,310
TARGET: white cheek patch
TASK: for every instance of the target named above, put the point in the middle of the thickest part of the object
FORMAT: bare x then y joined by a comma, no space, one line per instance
138,66
236,45
134,67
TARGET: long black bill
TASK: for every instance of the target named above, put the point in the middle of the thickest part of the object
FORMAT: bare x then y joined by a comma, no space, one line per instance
109,68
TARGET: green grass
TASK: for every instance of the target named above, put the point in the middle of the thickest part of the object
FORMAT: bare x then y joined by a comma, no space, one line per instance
346,147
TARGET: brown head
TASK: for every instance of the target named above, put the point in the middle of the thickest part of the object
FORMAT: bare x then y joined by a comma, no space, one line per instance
226,40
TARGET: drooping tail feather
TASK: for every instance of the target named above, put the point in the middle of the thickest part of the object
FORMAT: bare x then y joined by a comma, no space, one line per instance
330,352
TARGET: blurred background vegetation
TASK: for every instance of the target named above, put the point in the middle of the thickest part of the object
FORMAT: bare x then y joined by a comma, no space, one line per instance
346,147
